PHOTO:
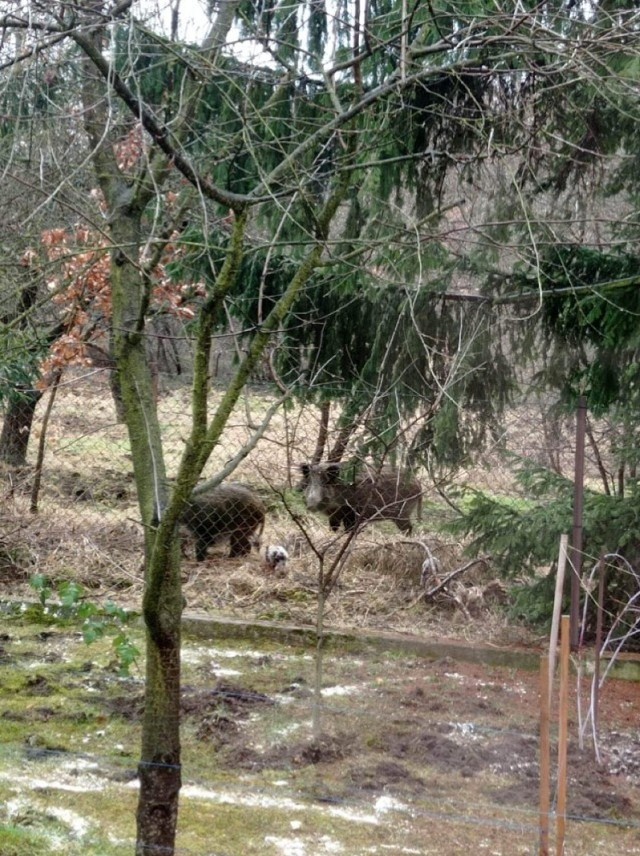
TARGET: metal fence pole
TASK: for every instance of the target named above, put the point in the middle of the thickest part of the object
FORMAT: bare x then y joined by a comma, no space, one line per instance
576,538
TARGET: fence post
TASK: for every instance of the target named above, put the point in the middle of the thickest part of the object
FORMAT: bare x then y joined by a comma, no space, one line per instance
545,757
596,664
557,608
563,723
576,537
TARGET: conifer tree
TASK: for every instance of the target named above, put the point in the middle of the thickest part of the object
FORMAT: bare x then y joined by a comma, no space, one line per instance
384,159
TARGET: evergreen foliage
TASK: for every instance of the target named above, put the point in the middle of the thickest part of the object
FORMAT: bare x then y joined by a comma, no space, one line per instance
591,310
585,343
20,357
522,535
364,327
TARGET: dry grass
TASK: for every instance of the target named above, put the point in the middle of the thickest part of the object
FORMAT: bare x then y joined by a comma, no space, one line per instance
87,528
379,586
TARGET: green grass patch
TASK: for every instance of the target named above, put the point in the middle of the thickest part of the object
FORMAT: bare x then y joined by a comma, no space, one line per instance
18,841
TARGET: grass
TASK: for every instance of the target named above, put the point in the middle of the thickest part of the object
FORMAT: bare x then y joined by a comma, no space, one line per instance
19,841
255,780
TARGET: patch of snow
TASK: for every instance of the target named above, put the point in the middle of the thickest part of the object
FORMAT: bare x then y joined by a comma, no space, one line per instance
261,800
199,653
408,850
76,775
467,730
330,845
353,816
235,798
387,803
88,737
73,765
80,785
79,826
295,847
225,673
15,808
339,691
287,846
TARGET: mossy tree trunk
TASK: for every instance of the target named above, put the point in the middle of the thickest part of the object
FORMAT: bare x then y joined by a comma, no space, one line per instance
159,768
160,507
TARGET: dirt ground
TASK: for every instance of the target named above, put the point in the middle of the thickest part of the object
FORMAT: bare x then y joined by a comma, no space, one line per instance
441,739
452,717
403,743
415,744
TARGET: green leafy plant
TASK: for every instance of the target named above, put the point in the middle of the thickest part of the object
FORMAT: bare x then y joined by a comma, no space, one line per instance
97,621
41,585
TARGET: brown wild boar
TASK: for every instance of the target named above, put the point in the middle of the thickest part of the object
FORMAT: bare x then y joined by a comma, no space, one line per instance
229,511
384,495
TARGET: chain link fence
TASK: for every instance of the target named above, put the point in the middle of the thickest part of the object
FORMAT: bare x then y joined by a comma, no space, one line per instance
71,513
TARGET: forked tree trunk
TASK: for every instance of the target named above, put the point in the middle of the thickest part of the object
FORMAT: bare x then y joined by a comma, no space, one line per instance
160,508
159,768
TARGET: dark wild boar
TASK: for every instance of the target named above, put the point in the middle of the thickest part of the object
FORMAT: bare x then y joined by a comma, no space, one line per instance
229,511
385,495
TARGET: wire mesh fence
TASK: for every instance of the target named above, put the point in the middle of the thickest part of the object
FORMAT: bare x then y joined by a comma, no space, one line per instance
412,764
83,503
72,510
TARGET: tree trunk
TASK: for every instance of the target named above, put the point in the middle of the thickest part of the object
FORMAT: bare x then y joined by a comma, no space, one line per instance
316,704
339,447
42,443
159,769
160,508
16,428
22,403
323,432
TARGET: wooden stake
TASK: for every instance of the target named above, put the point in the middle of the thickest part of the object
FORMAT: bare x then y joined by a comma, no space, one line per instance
545,756
557,607
563,725
596,665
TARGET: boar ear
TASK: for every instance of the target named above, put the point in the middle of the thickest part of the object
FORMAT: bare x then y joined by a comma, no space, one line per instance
305,469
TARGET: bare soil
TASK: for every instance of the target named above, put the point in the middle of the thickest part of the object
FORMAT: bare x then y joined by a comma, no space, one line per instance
402,741
450,741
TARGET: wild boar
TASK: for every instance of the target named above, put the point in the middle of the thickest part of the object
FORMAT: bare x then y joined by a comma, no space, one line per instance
384,495
229,511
